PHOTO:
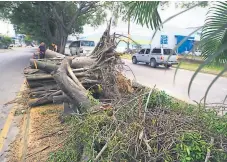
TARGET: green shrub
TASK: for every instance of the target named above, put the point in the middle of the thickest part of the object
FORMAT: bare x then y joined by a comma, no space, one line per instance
176,131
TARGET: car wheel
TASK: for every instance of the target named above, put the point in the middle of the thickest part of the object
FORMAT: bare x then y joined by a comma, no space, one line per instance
134,60
153,63
167,66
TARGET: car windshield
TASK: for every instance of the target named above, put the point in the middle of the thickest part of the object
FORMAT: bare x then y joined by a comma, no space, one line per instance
88,43
75,44
169,51
68,43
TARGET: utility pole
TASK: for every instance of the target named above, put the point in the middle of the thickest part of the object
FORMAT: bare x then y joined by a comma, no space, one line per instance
128,32
7,33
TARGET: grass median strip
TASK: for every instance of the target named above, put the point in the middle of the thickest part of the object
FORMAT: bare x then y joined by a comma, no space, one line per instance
207,69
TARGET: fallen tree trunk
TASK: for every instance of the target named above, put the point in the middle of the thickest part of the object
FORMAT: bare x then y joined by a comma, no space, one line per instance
45,88
39,77
52,54
82,62
96,70
77,96
45,66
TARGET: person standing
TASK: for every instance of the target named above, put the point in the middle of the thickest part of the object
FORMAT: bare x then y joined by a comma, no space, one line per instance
54,47
42,50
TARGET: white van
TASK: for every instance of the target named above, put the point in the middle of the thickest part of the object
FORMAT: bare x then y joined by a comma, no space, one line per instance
81,47
67,50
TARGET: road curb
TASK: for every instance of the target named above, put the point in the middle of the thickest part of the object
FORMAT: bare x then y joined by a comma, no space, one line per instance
9,120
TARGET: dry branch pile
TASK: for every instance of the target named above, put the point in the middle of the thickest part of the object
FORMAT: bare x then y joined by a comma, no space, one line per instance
147,126
78,80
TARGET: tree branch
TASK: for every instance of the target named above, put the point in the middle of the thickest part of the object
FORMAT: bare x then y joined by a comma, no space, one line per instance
58,17
81,10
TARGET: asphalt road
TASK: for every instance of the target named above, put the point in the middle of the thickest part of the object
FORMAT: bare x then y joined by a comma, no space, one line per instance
12,63
163,79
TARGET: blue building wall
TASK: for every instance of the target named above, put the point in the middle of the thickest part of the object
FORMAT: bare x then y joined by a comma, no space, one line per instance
186,46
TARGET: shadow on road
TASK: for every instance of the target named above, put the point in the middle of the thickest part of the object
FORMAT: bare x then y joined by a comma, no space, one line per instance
157,68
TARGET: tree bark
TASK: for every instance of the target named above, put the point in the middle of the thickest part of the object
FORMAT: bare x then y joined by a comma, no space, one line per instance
34,84
60,99
63,43
45,66
76,95
39,77
52,54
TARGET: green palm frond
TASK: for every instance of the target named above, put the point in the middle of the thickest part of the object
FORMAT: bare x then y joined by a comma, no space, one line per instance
216,20
213,40
144,13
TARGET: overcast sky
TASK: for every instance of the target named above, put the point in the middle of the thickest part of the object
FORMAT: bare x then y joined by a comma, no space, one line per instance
192,18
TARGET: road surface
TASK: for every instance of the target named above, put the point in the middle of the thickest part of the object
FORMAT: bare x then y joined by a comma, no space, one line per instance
12,63
163,79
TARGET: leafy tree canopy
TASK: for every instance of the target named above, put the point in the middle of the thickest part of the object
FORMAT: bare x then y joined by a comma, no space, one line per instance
52,21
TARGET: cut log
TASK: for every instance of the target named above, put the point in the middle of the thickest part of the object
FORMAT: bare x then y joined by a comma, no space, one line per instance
41,83
52,54
38,77
45,66
82,62
45,88
30,71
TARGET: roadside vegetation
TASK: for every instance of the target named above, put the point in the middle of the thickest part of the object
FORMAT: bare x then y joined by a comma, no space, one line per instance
152,126
5,41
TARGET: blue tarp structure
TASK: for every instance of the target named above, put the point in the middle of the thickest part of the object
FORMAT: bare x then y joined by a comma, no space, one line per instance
186,46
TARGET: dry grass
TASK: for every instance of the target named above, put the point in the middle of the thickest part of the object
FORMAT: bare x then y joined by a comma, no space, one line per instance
45,132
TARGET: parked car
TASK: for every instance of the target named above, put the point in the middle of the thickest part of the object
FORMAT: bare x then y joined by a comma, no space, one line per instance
156,57
3,46
80,48
67,50
11,45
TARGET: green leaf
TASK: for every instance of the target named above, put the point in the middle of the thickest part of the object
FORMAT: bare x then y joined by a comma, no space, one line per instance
215,21
188,158
188,150
144,13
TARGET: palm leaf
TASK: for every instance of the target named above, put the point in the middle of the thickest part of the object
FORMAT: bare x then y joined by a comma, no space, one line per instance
216,19
144,13
213,40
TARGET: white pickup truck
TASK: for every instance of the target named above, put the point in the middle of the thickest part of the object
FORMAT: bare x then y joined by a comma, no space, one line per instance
156,57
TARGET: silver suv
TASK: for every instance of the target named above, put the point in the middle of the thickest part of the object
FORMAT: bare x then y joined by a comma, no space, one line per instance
155,57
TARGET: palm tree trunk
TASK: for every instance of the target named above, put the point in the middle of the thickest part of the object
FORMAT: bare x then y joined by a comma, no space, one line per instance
128,33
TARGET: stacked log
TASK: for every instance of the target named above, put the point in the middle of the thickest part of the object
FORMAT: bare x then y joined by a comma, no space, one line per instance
58,79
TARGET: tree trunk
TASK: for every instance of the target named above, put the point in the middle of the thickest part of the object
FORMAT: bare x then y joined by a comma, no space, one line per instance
76,95
64,37
52,54
45,66
128,44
